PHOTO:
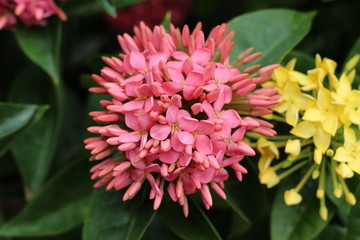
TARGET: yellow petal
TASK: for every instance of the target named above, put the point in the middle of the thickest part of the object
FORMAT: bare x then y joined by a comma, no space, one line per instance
293,147
292,115
342,155
282,107
318,60
354,164
291,64
317,75
304,130
322,140
352,62
330,124
328,65
314,114
350,137
333,81
344,171
292,197
324,98
269,177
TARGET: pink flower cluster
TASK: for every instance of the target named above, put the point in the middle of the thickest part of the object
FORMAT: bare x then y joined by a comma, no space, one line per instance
29,12
168,113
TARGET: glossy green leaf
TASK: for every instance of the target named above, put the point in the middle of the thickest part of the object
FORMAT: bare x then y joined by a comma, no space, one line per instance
61,205
273,31
41,45
353,232
111,218
196,226
34,148
299,222
14,116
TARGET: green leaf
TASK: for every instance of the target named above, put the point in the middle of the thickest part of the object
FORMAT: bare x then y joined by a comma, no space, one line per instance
167,21
273,31
355,50
332,232
41,45
241,222
33,150
61,205
107,6
299,222
14,116
304,61
111,218
196,226
353,232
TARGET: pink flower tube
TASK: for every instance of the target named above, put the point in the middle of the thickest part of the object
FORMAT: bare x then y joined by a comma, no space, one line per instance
169,114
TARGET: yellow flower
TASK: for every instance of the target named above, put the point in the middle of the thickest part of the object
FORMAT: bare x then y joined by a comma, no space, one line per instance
314,80
269,177
327,64
324,111
344,171
293,147
348,98
268,151
292,101
307,130
350,152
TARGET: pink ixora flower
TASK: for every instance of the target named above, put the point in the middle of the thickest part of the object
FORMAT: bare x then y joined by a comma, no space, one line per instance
170,113
29,12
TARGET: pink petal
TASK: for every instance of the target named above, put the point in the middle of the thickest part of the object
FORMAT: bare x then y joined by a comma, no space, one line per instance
156,58
188,124
160,132
169,157
180,55
188,92
231,117
171,88
133,105
203,144
186,138
145,90
131,121
208,109
206,195
129,137
238,134
204,176
195,79
184,159
172,114
176,76
201,55
206,127
175,142
137,60
131,89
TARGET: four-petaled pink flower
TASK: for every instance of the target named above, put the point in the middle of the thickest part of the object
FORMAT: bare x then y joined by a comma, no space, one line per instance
169,114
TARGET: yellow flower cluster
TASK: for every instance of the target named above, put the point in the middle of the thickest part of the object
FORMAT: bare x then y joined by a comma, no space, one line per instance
323,112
